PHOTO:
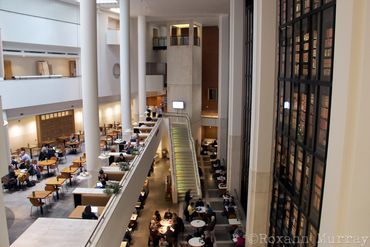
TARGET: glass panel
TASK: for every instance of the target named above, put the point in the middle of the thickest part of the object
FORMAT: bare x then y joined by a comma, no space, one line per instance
306,185
280,210
306,6
306,49
286,106
289,52
291,162
297,46
302,113
317,191
293,111
297,7
316,4
290,10
278,154
281,105
283,11
282,51
311,116
312,236
287,214
298,171
301,227
314,52
327,45
323,116
284,159
294,220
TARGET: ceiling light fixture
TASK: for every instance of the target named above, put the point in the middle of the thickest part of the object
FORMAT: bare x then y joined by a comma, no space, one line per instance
114,10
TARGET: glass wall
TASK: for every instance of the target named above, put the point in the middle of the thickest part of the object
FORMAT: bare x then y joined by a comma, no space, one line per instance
305,62
247,101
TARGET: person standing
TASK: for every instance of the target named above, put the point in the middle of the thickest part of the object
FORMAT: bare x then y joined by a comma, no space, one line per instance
188,197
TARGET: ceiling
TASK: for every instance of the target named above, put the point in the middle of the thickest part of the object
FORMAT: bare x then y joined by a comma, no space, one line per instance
204,11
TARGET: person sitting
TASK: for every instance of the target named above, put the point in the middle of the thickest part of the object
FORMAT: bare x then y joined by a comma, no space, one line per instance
13,163
88,215
10,181
167,215
51,152
121,158
103,177
24,156
43,153
191,211
209,210
211,225
170,236
157,216
163,242
199,203
34,169
73,138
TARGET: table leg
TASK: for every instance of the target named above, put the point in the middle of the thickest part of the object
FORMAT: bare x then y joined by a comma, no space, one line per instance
70,180
41,209
48,169
57,193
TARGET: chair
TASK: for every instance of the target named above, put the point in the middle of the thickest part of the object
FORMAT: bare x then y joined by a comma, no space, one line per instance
64,186
52,189
35,203
62,155
55,166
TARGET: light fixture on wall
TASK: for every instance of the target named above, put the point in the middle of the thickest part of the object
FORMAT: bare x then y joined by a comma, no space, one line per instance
115,10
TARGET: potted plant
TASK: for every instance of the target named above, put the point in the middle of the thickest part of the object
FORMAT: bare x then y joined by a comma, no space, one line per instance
112,188
124,166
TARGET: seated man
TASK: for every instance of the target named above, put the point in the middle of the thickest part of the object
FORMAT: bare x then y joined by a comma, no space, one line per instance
191,211
103,178
43,153
121,158
24,156
33,169
199,203
167,215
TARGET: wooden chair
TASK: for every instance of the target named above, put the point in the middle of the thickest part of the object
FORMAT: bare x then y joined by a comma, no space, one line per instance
35,203
55,166
52,189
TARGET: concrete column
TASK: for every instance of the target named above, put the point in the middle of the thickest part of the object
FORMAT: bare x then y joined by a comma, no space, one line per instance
1,59
89,78
346,198
141,33
236,80
4,168
125,68
262,118
223,84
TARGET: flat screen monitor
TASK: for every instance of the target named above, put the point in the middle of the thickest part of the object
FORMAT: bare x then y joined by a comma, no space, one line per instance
178,104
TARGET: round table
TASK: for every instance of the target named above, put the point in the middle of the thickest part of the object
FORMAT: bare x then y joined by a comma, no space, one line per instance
195,242
197,223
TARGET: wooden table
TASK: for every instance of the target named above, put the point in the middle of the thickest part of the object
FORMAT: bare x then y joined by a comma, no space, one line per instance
68,171
77,212
47,163
124,244
39,195
56,182
78,163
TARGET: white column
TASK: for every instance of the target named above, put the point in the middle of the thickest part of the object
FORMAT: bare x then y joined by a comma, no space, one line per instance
223,84
4,163
236,80
262,118
1,59
346,198
4,170
89,72
125,67
141,31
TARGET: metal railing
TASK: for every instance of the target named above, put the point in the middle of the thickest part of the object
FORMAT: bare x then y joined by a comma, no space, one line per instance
173,167
184,116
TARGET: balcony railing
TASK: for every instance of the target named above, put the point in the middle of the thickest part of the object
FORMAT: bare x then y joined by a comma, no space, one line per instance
179,40
159,43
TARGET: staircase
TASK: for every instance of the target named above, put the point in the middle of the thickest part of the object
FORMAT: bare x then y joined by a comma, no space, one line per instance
185,163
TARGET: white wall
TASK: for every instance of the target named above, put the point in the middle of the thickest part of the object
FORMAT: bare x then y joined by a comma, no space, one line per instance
22,132
34,28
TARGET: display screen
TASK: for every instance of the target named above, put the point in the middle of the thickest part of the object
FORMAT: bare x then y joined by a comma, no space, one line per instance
178,104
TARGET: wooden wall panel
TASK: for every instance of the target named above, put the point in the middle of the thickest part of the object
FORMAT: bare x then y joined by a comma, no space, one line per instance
209,67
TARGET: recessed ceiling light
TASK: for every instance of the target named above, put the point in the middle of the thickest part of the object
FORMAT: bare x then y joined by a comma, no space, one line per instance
115,10
102,1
